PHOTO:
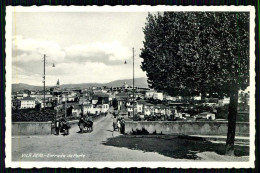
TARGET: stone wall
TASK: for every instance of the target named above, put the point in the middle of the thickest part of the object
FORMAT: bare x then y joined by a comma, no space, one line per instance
31,128
39,128
187,128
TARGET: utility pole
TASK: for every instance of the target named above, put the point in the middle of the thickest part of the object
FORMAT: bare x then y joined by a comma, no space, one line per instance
65,105
133,85
133,89
44,62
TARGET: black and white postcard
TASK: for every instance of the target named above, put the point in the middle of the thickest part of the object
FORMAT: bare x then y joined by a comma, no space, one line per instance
130,86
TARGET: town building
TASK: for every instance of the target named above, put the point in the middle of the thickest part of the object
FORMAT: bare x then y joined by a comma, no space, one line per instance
16,104
122,100
198,98
149,94
27,103
76,110
170,98
84,100
224,101
87,108
57,89
100,98
158,96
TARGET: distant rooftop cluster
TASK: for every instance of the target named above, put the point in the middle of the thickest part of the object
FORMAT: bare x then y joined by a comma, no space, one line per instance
124,101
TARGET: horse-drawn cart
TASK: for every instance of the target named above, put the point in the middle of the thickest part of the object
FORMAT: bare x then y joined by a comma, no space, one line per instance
85,125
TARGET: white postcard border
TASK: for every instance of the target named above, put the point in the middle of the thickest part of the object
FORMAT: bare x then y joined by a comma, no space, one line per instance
190,164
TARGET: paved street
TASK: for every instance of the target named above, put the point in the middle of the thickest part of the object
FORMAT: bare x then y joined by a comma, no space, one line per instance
78,147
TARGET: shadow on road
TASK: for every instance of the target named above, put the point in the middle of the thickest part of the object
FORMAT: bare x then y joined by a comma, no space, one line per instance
80,132
177,147
84,131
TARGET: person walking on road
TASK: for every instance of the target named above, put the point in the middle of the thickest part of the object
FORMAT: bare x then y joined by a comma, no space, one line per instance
57,127
114,123
118,123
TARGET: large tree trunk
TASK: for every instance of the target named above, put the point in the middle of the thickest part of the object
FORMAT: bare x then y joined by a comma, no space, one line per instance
232,114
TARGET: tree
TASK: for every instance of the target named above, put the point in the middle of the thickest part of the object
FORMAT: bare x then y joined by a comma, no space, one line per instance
38,107
69,111
115,104
192,53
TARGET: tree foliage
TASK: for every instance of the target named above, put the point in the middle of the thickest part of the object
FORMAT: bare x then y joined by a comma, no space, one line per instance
187,53
192,53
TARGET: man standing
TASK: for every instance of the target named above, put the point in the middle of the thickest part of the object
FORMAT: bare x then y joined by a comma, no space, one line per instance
57,127
122,123
118,124
114,123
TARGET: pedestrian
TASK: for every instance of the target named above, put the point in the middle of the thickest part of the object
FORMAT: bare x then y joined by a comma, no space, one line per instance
114,123
122,125
57,127
118,124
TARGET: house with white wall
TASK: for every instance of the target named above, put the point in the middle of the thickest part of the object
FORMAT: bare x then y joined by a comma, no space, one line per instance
158,96
87,108
27,103
149,94
76,111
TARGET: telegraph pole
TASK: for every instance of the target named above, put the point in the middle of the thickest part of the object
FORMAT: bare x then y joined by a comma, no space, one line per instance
133,85
44,62
65,105
133,82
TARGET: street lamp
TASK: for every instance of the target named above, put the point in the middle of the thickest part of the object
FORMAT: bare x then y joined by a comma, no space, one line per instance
133,84
44,63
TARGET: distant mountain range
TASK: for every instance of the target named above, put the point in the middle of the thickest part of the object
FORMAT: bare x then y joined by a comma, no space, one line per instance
139,82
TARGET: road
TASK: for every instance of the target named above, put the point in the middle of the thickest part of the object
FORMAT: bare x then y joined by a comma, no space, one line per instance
78,147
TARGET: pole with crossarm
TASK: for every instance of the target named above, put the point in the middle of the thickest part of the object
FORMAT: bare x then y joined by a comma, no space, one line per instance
44,62
44,78
133,85
133,89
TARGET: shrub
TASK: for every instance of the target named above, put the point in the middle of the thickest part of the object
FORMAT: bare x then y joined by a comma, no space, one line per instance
32,115
140,132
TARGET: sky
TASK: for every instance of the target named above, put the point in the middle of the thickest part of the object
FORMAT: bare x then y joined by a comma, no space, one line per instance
85,47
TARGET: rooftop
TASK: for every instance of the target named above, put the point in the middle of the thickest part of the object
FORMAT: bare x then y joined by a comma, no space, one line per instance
100,94
122,95
76,107
28,98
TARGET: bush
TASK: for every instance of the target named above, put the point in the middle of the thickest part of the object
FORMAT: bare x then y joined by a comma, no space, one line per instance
140,132
32,115
222,112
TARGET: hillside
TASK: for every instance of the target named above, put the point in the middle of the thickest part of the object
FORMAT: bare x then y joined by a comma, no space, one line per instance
139,82
22,86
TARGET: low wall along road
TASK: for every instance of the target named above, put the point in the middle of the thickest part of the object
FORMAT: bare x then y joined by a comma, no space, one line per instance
187,128
38,128
31,128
